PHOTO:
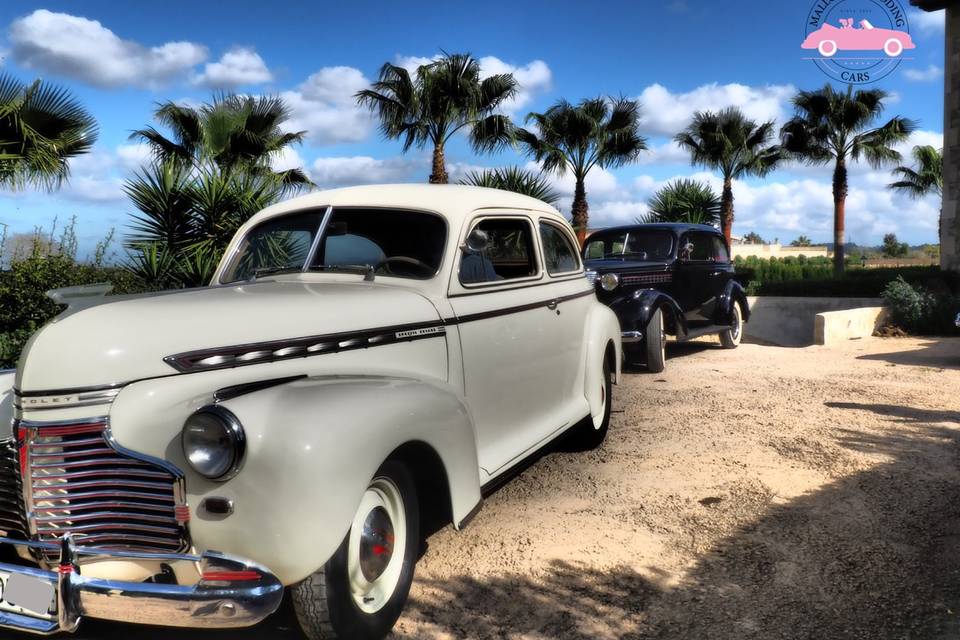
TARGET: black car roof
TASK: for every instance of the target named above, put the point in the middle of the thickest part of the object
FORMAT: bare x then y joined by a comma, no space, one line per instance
677,227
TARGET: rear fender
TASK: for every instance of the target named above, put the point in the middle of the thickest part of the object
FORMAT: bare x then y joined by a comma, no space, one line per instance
602,332
732,293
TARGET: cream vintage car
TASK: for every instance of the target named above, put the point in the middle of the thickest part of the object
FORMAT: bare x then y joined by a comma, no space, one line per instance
365,359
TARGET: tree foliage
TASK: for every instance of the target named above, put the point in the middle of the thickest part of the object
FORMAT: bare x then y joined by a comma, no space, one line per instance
597,132
443,97
41,127
684,200
730,143
515,179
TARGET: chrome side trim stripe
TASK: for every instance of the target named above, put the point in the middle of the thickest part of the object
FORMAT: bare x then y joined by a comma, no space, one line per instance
35,402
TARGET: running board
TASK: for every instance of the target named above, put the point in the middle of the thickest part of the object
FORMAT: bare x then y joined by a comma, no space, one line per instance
703,331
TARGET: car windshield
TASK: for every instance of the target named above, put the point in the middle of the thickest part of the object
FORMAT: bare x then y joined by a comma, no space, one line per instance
639,244
402,244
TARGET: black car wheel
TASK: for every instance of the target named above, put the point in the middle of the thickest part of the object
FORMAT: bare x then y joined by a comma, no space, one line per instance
360,592
730,338
656,343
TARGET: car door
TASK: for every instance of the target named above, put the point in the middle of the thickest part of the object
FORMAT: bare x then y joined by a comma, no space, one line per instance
505,314
696,278
574,295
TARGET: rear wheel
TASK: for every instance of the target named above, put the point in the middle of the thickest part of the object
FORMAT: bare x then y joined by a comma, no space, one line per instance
730,338
656,343
360,592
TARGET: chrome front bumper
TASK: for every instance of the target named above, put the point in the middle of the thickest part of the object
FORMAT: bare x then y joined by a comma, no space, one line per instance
629,337
229,592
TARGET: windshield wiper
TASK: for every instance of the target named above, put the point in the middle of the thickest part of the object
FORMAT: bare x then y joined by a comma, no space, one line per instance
266,271
366,270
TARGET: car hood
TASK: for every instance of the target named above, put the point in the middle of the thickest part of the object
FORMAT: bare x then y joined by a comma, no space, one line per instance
125,338
623,264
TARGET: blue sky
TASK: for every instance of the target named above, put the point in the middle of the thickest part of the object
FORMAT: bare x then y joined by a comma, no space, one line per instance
675,56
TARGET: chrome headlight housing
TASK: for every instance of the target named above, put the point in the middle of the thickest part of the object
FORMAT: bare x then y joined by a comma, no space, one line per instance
213,442
609,281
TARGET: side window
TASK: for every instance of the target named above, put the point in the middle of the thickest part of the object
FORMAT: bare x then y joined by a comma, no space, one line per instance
509,253
594,250
697,247
720,253
558,253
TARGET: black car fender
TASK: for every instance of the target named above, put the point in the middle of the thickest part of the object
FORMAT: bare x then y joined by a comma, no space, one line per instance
635,308
733,292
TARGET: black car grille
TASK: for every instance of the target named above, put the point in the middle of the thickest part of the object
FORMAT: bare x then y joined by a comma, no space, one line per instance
76,480
13,523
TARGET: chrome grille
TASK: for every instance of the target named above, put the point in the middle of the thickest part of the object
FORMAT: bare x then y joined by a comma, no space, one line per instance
13,522
77,480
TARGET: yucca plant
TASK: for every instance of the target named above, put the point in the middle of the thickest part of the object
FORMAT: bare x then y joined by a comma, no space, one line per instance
442,98
515,179
41,127
684,200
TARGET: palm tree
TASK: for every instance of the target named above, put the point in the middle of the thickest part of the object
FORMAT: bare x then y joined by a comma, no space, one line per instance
514,179
445,96
734,145
926,178
802,241
41,128
838,126
230,132
684,200
598,132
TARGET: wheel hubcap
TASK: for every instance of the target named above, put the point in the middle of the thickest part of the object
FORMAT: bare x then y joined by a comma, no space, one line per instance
376,546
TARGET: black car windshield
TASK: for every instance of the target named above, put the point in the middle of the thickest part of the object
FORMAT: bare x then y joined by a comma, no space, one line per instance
638,244
402,244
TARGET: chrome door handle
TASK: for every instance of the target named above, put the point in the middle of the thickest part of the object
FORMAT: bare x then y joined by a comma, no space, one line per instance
552,305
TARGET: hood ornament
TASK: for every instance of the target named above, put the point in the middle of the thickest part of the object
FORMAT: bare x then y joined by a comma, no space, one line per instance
80,296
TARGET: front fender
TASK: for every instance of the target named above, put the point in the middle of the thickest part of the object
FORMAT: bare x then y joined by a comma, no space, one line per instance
602,330
312,446
635,309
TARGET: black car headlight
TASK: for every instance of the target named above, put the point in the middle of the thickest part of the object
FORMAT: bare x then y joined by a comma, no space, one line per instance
213,442
609,281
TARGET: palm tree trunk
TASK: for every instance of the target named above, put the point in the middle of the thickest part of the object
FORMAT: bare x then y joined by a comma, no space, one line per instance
439,173
580,210
839,205
726,209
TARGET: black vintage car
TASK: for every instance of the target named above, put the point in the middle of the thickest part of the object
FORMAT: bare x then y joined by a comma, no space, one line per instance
662,279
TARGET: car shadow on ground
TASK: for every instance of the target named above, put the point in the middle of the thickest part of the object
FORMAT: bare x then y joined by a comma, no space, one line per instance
872,555
938,353
676,350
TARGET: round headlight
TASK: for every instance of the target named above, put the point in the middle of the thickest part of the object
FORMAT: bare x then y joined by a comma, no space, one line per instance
609,281
213,442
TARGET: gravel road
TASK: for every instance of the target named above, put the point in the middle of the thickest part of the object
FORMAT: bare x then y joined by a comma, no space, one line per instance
764,492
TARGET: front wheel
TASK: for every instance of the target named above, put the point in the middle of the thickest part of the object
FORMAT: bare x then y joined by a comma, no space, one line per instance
730,338
360,592
656,343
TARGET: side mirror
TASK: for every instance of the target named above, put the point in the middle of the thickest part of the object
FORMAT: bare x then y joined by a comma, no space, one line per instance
477,242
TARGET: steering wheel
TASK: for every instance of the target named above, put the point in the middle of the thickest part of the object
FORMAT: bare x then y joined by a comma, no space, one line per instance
384,268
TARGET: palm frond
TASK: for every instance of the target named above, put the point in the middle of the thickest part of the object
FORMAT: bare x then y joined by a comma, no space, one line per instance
514,179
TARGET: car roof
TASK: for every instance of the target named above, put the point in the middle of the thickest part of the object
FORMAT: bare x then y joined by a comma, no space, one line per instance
678,227
450,200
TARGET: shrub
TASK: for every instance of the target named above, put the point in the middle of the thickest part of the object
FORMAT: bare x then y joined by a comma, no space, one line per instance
44,265
920,311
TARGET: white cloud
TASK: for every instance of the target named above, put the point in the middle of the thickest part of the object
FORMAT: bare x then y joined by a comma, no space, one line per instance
287,159
667,153
533,78
239,66
346,171
325,107
931,73
665,113
133,156
928,22
84,49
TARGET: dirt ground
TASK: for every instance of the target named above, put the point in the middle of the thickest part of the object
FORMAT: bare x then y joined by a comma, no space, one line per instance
764,492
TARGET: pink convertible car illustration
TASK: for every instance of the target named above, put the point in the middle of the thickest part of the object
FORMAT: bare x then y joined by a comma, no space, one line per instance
829,39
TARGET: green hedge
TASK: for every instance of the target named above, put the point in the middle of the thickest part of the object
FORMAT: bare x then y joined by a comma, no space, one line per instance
814,277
